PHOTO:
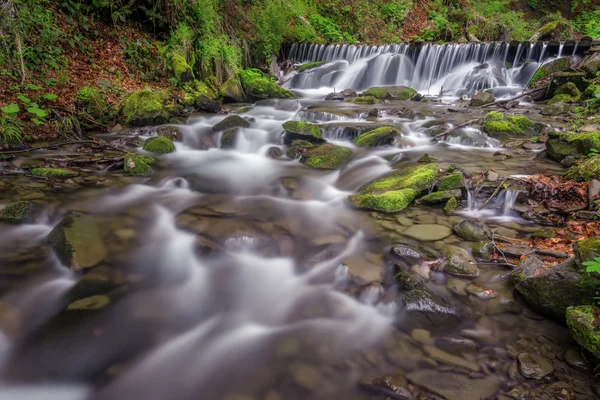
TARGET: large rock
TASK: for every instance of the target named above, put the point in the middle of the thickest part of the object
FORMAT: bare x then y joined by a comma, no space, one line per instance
552,67
503,126
201,95
144,107
472,231
564,144
390,92
258,86
232,90
232,121
482,98
533,366
159,145
378,137
78,241
395,191
591,64
582,323
459,262
18,212
528,267
181,68
556,108
555,289
323,156
297,130
572,83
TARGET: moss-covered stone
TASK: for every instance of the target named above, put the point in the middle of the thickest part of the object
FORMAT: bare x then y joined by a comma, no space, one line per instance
390,201
553,30
555,107
258,86
499,125
581,321
561,79
378,137
563,144
298,130
391,92
202,95
440,197
181,68
451,205
587,249
229,138
452,181
78,241
232,90
560,64
53,173
482,98
169,131
93,102
325,156
159,145
232,121
136,165
567,93
363,100
310,65
459,262
18,212
591,64
144,107
560,98
586,170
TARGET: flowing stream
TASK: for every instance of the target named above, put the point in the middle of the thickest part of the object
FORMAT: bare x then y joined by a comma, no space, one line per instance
242,274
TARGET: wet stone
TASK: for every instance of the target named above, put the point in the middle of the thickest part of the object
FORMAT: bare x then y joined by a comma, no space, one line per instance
454,386
428,232
518,251
457,286
472,231
575,359
533,366
480,292
455,345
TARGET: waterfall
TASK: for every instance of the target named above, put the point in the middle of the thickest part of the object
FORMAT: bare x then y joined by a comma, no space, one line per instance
457,68
510,197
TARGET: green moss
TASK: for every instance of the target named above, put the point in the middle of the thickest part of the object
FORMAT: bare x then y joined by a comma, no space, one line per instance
258,86
159,145
440,197
567,93
451,205
560,98
232,121
586,170
391,201
378,137
53,172
419,178
302,130
232,90
181,68
550,68
363,100
563,144
229,138
452,181
587,249
93,101
310,65
144,108
298,147
196,93
581,321
326,156
17,212
138,165
497,124
392,92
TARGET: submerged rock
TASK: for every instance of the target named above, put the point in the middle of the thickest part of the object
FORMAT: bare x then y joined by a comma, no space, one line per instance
582,323
144,108
322,156
378,137
232,121
297,130
428,232
482,98
459,262
159,145
18,212
390,92
395,191
472,231
78,241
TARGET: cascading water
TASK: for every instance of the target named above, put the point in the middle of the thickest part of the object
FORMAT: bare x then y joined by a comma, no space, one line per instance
456,69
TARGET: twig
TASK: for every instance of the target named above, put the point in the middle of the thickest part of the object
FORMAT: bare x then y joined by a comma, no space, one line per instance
514,98
498,248
493,195
50,146
74,113
455,128
507,264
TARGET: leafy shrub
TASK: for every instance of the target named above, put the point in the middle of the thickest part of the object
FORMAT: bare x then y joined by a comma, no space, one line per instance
326,28
588,23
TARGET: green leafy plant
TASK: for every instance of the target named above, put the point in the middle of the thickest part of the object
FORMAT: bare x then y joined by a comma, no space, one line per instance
10,127
593,265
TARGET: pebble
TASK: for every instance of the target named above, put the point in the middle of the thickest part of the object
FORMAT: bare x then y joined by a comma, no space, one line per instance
533,366
575,359
480,292
447,358
421,335
456,345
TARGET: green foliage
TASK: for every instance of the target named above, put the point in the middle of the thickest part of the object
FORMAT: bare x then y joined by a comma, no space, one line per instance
10,127
588,23
593,265
326,28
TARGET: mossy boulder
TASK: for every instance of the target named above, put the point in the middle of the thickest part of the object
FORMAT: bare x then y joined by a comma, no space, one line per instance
309,66
232,90
201,95
78,241
501,126
586,170
567,93
57,173
143,108
395,191
363,100
555,107
558,29
441,196
459,262
563,144
452,181
18,212
560,79
555,289
170,132
390,92
93,102
581,321
232,121
159,145
587,249
181,68
451,205
229,138
591,64
482,98
378,137
550,68
137,165
258,86
298,130
472,231
322,156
